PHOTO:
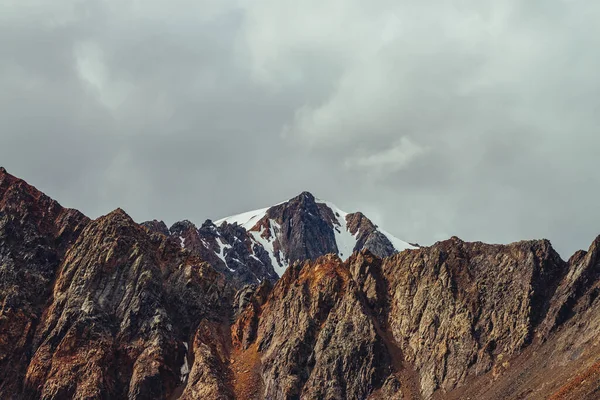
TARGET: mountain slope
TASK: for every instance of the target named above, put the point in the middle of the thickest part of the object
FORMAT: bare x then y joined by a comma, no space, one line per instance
35,233
109,308
303,228
260,245
416,324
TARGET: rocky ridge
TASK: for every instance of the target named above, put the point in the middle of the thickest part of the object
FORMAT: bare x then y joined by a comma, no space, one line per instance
108,308
257,245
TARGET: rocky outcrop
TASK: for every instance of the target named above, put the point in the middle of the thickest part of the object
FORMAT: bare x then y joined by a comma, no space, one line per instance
326,345
297,230
35,232
112,309
368,236
460,309
307,230
305,233
156,227
420,323
123,306
563,362
228,248
578,289
95,309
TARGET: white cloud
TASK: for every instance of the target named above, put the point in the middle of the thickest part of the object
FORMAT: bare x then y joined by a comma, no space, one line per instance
397,157
468,117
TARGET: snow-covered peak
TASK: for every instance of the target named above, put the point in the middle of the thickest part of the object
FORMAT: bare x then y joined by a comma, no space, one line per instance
247,219
346,241
296,230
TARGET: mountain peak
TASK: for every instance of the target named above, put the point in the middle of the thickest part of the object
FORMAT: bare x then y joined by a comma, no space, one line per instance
3,171
156,226
305,228
303,199
117,214
306,195
182,226
117,211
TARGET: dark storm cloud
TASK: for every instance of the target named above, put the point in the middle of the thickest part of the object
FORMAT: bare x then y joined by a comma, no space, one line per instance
476,119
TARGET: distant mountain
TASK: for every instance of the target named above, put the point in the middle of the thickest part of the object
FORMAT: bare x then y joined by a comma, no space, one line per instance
112,309
261,244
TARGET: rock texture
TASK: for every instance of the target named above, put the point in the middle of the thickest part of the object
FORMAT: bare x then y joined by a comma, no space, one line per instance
95,309
35,233
229,249
112,309
460,309
305,229
420,323
122,307
260,245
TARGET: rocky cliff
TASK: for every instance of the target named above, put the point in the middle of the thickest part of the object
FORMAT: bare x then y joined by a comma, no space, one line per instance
95,309
257,245
109,308
419,324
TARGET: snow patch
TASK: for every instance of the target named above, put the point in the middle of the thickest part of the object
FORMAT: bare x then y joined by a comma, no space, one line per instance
182,242
247,219
267,244
185,368
222,248
345,241
398,244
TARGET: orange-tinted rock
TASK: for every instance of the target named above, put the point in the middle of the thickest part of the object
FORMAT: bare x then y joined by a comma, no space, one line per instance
112,309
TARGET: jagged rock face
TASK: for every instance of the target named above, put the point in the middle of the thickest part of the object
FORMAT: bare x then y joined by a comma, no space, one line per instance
300,229
157,227
424,323
562,364
229,249
122,307
368,237
306,230
297,230
97,309
305,233
459,309
317,335
34,234
247,261
577,291
112,309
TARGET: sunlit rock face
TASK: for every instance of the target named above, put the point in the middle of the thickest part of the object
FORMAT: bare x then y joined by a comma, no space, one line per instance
296,301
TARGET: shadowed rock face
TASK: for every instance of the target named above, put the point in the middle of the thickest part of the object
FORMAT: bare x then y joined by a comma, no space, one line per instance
297,230
422,321
95,309
156,227
306,234
123,304
307,230
459,309
112,309
35,232
229,250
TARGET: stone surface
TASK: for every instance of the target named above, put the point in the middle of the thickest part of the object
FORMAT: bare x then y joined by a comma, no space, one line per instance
35,232
297,230
113,309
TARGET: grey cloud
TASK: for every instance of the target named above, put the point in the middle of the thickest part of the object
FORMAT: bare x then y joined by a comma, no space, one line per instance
476,119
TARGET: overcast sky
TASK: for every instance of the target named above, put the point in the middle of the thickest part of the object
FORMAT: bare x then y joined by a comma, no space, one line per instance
471,118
